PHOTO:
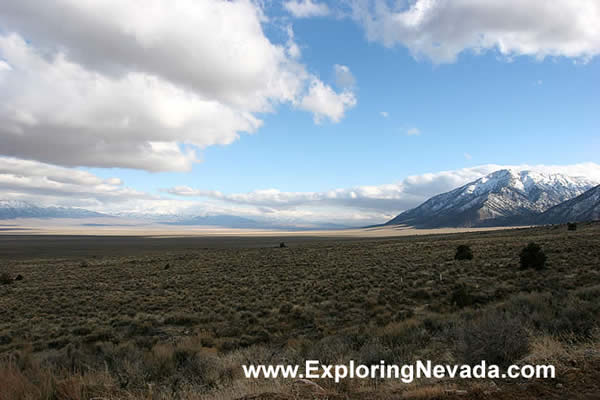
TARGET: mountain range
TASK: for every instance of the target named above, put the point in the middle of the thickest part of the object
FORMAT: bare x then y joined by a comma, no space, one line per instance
503,198
11,209
585,207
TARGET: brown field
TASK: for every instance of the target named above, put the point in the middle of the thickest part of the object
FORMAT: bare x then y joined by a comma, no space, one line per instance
175,318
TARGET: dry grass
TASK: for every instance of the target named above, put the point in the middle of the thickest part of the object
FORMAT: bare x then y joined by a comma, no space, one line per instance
124,326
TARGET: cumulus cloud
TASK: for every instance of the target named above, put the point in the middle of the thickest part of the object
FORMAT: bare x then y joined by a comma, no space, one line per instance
306,8
324,102
383,201
52,185
413,132
442,29
56,111
101,83
384,114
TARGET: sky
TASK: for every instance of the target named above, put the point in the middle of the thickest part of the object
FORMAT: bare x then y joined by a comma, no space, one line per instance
301,111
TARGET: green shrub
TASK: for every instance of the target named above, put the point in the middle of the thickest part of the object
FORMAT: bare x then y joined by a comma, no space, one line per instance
532,256
463,252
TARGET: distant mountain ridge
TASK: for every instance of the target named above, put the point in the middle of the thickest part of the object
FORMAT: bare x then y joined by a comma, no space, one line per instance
504,197
585,207
11,209
229,221
236,222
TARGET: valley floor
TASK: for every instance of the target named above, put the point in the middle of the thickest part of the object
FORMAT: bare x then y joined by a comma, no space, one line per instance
176,317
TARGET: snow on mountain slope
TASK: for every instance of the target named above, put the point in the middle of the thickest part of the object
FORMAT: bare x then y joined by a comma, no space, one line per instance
585,207
504,197
10,209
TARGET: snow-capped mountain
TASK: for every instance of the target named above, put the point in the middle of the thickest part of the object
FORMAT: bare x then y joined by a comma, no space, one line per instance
10,209
585,207
504,197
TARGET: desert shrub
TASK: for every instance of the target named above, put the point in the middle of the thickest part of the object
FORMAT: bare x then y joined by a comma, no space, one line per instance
463,252
19,277
576,317
494,337
181,319
591,293
405,338
228,345
462,297
285,308
81,331
572,226
420,294
375,350
200,368
282,245
558,314
330,350
532,256
5,278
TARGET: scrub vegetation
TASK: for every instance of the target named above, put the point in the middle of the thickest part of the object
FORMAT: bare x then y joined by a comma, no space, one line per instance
179,324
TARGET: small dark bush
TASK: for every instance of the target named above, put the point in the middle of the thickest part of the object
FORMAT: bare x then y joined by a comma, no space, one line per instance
285,308
461,297
5,278
572,226
463,252
421,294
167,266
19,277
84,264
532,256
282,245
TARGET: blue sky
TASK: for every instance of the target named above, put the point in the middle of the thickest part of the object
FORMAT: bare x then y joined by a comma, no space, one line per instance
454,99
495,109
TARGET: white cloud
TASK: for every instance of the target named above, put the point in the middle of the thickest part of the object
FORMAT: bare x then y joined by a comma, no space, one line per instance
343,77
47,184
119,84
384,114
413,132
56,111
306,8
442,29
381,201
324,102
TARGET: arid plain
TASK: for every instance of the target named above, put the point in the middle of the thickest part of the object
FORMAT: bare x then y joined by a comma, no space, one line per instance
158,315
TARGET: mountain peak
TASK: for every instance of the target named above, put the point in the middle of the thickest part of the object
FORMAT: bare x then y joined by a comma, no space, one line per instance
503,197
